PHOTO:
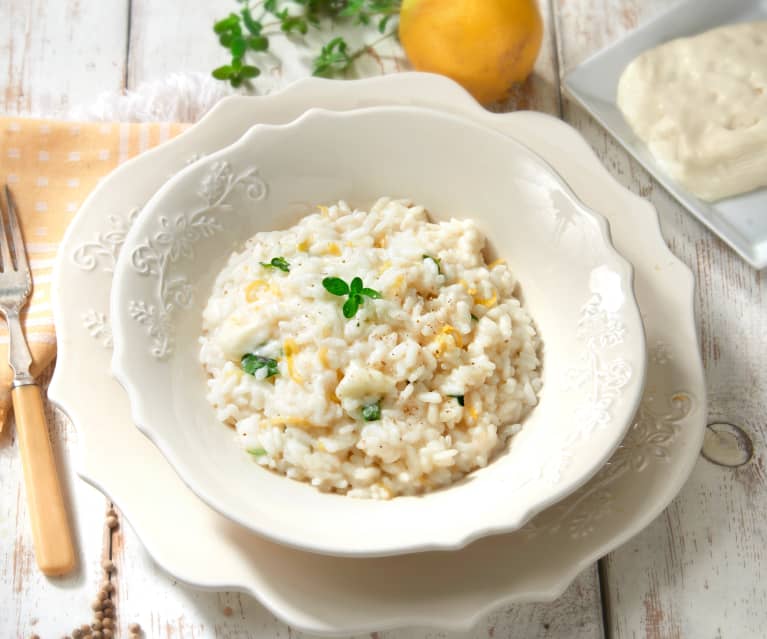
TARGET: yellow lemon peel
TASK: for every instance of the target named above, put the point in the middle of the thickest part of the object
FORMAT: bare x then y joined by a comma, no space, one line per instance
470,290
299,422
290,348
250,289
487,46
489,302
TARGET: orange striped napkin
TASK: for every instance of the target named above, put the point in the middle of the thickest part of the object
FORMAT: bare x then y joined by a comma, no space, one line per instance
50,167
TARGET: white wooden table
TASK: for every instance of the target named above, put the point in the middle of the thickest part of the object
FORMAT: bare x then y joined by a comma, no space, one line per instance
699,571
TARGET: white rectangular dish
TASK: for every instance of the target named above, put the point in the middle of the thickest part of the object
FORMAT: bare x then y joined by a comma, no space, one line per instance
740,221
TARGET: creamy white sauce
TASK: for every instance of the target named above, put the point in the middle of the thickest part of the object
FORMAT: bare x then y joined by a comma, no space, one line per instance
700,105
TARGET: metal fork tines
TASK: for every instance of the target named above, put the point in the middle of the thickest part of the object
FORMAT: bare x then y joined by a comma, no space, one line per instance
15,288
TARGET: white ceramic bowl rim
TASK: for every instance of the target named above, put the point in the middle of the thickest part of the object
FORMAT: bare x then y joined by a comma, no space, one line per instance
129,373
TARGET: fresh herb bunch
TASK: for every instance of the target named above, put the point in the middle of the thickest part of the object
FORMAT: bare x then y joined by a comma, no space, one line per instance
249,30
355,290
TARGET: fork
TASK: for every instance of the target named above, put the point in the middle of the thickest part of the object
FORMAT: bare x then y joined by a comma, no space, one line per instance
48,516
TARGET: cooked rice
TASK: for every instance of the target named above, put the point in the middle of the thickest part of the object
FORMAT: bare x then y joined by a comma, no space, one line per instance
445,330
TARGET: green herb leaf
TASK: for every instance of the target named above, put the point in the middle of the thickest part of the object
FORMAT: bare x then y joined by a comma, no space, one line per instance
352,7
225,39
256,452
223,73
251,25
227,24
335,286
238,46
474,317
249,71
258,43
459,398
436,262
333,57
294,23
383,22
251,363
372,293
355,291
276,262
351,305
372,412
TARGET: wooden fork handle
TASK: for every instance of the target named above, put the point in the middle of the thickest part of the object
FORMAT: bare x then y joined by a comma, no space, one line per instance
48,515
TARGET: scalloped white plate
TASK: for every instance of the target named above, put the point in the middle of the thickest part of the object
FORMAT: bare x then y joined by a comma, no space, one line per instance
329,595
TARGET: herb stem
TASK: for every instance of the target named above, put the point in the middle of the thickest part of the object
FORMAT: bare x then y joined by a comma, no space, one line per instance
368,47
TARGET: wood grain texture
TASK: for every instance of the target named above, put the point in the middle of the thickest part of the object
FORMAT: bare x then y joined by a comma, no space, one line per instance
700,570
56,54
541,91
31,603
171,37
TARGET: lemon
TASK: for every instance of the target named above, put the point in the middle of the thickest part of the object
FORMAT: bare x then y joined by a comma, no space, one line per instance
484,45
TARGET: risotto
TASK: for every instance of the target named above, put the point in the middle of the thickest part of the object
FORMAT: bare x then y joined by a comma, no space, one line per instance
372,354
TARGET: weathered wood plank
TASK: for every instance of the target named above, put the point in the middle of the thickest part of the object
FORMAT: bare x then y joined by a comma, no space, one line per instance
55,54
30,603
172,37
700,570
58,54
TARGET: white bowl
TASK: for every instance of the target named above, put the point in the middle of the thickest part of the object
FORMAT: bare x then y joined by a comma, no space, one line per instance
576,286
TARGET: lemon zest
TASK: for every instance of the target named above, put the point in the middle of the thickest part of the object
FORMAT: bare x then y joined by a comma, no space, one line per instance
300,422
250,295
469,290
384,266
290,349
333,249
447,329
494,263
381,242
233,372
322,354
275,289
397,283
489,302
473,413
303,246
324,210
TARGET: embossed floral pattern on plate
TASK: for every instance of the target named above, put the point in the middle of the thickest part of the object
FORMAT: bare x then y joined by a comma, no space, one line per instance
173,240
